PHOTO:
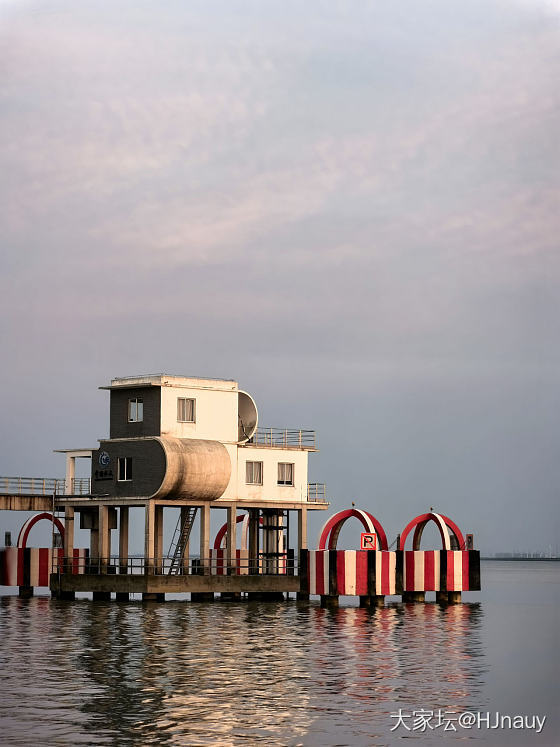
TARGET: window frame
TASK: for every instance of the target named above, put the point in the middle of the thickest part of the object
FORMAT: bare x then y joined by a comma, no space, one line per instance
284,483
260,469
135,401
186,399
127,464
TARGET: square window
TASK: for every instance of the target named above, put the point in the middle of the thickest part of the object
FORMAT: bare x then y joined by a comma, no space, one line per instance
125,469
254,473
135,410
186,411
285,473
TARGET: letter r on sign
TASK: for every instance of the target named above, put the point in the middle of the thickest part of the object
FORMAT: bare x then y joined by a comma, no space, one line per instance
368,541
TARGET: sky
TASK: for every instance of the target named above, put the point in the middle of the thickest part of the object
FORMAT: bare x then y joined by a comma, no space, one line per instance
349,207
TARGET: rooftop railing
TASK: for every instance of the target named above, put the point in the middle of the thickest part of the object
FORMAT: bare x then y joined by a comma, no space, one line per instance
317,492
284,438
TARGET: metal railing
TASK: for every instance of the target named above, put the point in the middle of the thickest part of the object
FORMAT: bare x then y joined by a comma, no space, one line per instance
317,492
285,564
31,485
43,486
284,438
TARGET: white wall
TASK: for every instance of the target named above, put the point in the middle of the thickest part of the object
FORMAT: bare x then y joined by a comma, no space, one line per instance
269,490
216,413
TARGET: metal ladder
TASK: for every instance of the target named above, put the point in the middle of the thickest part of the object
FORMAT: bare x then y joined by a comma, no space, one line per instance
180,539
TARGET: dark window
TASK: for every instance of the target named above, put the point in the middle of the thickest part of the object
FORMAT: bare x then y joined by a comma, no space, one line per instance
135,410
285,473
254,473
125,469
186,412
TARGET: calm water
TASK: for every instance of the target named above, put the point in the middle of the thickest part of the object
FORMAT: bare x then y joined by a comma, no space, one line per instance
281,674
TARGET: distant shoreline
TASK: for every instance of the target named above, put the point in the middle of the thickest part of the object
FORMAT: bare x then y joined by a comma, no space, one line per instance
538,560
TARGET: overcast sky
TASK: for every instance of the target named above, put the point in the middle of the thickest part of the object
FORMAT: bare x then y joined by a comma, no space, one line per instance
352,208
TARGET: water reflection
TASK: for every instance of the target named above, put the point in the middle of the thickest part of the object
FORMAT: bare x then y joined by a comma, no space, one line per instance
231,674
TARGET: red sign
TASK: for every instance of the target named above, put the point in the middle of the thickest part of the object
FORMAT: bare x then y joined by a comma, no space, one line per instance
368,541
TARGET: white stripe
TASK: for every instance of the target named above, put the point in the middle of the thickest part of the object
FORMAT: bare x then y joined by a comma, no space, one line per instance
458,570
369,522
443,525
378,572
350,571
437,570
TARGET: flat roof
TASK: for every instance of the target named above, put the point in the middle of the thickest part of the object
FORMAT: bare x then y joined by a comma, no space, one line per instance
163,379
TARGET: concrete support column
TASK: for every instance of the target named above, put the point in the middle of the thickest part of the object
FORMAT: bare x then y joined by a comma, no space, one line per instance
441,597
94,540
123,539
231,543
205,539
149,538
330,601
104,538
302,528
254,541
414,596
158,529
69,539
454,597
70,474
372,600
186,555
123,596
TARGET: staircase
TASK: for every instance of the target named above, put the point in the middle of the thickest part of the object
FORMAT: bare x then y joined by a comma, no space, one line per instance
180,539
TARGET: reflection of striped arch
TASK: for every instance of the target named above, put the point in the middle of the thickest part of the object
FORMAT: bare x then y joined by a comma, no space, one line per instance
30,523
331,529
220,541
443,523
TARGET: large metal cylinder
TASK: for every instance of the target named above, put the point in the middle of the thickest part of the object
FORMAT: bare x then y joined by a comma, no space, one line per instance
195,468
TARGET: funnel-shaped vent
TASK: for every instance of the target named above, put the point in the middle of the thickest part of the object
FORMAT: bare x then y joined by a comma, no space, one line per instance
247,417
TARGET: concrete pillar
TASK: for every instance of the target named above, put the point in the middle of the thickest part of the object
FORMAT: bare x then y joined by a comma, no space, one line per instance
158,530
149,538
186,555
69,538
70,473
441,597
205,539
104,538
123,539
25,592
414,596
253,541
329,600
454,597
231,544
302,528
372,600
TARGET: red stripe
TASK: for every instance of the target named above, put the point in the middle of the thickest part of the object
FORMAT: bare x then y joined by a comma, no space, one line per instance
465,557
385,575
361,571
43,566
409,562
450,571
341,571
20,567
319,567
429,571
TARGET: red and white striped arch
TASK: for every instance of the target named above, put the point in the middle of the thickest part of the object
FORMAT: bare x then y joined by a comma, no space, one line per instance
328,536
443,523
30,523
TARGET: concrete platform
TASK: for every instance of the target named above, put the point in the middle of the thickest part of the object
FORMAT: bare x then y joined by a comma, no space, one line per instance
140,584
